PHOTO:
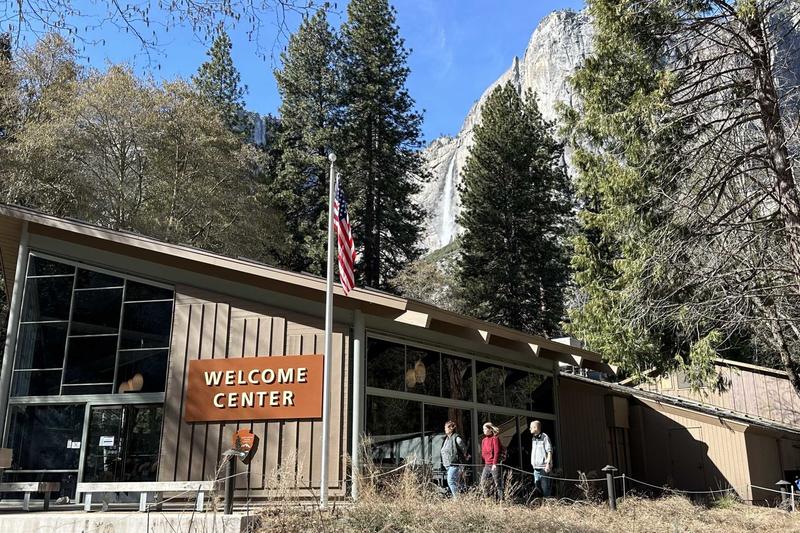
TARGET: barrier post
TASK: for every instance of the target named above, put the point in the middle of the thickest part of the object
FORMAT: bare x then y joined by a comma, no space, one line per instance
782,484
612,497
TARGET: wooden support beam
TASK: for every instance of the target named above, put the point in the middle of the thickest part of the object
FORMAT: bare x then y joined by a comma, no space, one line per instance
485,335
415,318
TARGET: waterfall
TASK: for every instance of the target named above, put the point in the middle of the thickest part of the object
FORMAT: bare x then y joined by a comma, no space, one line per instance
448,196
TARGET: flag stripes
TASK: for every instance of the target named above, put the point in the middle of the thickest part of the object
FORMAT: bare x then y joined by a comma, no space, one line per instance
347,249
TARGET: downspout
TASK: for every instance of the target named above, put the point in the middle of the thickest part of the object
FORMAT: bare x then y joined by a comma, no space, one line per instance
359,340
13,327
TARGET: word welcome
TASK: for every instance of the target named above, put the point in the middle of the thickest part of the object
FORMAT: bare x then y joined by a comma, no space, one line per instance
257,376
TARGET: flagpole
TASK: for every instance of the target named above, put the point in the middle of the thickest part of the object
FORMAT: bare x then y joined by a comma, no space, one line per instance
326,391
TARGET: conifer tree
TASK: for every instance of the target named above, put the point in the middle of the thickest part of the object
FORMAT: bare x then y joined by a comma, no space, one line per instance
381,167
218,81
309,107
513,267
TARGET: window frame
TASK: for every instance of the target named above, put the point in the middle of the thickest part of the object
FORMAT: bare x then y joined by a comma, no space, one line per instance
114,396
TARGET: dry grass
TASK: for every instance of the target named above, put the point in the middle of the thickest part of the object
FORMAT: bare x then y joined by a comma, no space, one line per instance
410,505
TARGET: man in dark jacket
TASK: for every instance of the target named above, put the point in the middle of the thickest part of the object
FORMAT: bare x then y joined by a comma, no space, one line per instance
454,454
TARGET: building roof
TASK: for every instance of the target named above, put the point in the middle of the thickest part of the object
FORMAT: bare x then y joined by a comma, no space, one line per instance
657,400
402,310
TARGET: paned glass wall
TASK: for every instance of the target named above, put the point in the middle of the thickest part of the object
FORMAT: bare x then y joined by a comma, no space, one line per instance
88,332
404,430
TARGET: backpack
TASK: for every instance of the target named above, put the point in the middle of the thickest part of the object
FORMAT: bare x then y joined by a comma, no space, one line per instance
462,456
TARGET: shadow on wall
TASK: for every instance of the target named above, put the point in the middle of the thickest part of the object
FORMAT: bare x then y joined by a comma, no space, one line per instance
674,452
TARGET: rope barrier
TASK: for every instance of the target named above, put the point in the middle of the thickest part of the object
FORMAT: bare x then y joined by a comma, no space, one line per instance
531,473
668,489
771,490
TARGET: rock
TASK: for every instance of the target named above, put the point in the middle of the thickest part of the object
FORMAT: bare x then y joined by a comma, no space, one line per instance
559,44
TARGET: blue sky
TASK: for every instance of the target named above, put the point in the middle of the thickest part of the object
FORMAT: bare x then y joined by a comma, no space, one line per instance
458,48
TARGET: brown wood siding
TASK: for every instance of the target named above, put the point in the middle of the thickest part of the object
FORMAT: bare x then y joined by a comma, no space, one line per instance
207,325
10,233
722,456
763,394
585,439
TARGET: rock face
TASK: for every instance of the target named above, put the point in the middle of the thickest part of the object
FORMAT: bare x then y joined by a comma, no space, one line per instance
558,45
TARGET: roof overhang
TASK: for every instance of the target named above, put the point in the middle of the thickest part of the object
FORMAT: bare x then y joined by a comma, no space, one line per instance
401,310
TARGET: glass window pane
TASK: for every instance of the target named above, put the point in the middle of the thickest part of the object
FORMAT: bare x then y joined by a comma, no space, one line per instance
456,377
136,291
490,379
422,373
143,440
71,390
36,382
41,345
47,299
522,389
142,371
435,417
38,436
104,463
146,325
89,279
386,365
90,360
96,312
38,266
395,429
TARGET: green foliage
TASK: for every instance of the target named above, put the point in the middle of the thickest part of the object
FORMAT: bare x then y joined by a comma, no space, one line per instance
130,154
381,136
621,151
218,81
515,198
309,110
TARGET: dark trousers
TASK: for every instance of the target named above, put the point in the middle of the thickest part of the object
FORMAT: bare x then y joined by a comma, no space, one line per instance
492,479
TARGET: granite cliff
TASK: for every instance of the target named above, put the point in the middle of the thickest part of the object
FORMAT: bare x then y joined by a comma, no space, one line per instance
559,44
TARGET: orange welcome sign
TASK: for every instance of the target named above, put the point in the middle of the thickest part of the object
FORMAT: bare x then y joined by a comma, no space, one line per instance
254,388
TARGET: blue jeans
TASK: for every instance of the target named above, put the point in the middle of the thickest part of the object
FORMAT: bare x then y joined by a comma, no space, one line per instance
454,480
541,482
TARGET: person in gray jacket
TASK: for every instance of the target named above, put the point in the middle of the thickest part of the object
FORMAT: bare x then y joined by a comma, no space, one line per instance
454,454
541,458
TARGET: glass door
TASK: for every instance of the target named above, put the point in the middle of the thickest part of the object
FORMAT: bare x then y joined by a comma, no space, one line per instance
123,443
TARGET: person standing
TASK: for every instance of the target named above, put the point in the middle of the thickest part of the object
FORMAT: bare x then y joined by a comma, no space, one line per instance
492,455
454,455
541,458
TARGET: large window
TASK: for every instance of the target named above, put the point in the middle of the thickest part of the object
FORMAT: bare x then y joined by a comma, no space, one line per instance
398,367
84,331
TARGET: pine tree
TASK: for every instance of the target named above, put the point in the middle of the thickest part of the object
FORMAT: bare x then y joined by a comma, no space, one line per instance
218,80
381,134
513,267
309,108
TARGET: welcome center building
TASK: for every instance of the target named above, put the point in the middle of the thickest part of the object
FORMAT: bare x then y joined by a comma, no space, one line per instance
129,359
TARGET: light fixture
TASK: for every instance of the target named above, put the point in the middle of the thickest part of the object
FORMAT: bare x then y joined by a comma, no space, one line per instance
411,378
420,372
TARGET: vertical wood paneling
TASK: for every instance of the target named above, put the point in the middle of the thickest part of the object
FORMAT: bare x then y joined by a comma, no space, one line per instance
272,457
289,432
170,437
262,349
214,446
213,326
316,427
204,351
307,347
187,433
235,351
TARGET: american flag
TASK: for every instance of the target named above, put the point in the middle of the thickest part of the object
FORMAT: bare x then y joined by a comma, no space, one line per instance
347,249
